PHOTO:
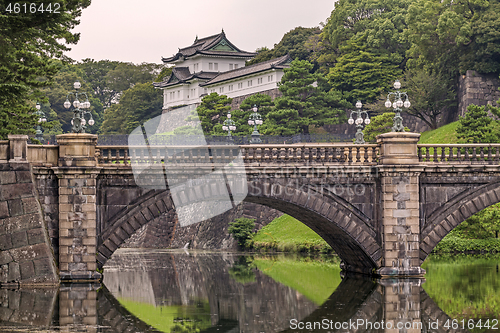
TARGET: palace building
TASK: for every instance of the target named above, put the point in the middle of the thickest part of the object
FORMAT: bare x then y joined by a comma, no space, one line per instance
214,64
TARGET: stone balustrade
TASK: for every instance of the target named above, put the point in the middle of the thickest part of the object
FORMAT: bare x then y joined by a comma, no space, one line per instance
483,153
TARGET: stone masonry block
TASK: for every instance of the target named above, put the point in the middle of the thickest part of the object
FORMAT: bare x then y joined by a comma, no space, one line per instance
30,205
15,191
19,239
7,177
15,207
23,176
4,209
5,242
401,213
27,270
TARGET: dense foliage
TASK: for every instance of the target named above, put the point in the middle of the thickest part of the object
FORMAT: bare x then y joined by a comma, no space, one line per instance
475,126
28,46
242,230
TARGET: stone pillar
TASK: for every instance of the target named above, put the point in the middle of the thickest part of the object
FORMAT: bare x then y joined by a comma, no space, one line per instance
78,306
400,173
18,148
77,173
401,304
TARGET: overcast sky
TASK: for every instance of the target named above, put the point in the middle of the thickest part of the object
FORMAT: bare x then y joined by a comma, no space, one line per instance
144,31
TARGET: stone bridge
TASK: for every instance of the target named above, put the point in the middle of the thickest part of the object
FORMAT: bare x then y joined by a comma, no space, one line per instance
382,207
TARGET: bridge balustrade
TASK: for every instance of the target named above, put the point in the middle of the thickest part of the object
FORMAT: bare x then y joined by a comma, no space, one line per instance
485,153
268,153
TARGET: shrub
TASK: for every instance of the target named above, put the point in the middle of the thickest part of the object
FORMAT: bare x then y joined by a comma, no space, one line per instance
241,229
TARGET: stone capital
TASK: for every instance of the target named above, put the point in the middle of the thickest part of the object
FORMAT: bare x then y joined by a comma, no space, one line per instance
398,148
77,150
18,148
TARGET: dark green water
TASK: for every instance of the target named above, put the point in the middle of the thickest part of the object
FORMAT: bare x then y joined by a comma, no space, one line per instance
165,291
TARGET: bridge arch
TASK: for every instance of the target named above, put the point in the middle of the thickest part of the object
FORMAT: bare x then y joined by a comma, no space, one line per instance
454,212
341,225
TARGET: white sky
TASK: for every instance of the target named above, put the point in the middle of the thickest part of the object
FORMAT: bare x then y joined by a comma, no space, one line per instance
144,31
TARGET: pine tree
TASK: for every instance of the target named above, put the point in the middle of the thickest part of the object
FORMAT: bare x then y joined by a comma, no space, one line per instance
475,126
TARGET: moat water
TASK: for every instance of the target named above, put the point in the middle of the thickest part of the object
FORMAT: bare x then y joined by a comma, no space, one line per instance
190,291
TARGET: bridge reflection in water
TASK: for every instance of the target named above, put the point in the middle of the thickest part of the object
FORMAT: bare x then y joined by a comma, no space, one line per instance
236,302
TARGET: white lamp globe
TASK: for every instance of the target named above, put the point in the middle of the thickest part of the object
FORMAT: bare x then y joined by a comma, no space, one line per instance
397,84
258,121
388,104
67,104
407,104
394,105
77,85
232,128
399,103
367,121
251,122
38,107
91,121
39,120
72,122
350,121
254,109
76,103
224,128
359,105
228,116
83,121
44,120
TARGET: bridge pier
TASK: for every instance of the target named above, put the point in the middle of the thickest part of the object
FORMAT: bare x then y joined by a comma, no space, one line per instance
77,172
400,171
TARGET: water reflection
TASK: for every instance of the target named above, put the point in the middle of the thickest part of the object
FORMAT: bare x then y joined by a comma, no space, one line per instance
160,291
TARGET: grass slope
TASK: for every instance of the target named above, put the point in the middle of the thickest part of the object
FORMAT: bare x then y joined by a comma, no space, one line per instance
314,279
443,134
288,234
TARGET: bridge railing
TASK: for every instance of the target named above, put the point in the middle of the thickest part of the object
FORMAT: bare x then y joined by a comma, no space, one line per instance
263,153
483,153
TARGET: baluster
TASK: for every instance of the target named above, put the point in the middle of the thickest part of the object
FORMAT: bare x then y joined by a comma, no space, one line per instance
435,157
481,154
467,158
350,154
490,158
474,154
497,153
450,154
109,156
419,153
358,154
443,154
427,154
366,155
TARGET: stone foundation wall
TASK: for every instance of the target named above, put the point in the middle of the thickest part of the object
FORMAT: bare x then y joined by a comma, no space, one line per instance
479,89
25,252
164,232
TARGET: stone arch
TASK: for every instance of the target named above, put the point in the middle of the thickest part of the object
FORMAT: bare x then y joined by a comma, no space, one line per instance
455,212
342,226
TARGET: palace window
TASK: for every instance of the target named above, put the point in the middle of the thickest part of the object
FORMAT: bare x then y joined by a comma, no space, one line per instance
235,66
240,85
230,88
221,89
210,66
216,66
259,81
230,66
249,83
269,78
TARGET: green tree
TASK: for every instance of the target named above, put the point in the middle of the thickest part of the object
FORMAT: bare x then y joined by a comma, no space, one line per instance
482,225
264,105
292,43
241,229
455,36
307,101
212,113
431,96
378,125
28,45
475,126
137,105
382,21
363,73
94,73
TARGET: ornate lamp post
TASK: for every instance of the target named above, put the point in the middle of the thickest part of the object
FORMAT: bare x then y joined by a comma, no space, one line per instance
229,125
41,119
79,110
397,104
255,119
359,122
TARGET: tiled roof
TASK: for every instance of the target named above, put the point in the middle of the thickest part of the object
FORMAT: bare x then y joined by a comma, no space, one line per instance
277,63
181,75
204,45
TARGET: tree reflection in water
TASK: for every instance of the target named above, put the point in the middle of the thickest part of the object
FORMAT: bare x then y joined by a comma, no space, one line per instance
216,292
